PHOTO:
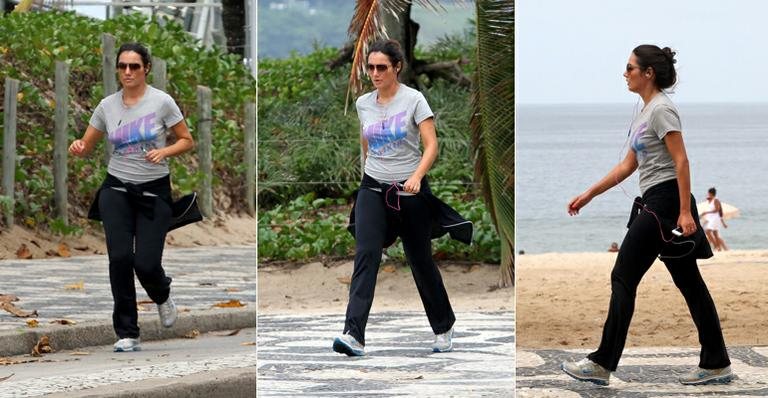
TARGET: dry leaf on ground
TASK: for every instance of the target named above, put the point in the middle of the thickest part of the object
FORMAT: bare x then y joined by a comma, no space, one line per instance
473,268
6,377
64,322
82,248
345,279
248,343
63,250
8,361
232,333
141,308
75,286
389,268
140,302
183,310
23,252
79,353
192,334
33,323
230,304
231,290
16,311
42,347
7,298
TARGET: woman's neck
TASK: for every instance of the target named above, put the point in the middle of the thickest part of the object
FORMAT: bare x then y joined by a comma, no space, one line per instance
387,93
648,94
132,95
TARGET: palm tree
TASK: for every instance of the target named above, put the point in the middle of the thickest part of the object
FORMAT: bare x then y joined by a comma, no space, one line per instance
492,97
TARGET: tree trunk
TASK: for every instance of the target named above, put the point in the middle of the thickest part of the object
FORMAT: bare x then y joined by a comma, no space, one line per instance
399,26
233,19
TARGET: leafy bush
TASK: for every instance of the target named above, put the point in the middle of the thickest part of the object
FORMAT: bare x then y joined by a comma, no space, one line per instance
30,43
309,227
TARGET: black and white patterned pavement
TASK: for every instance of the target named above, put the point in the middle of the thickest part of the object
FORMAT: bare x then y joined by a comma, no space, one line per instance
642,373
296,359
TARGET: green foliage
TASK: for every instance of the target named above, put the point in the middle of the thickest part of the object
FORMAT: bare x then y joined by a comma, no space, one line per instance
304,228
30,43
309,227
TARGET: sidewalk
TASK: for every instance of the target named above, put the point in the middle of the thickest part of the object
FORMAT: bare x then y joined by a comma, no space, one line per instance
211,365
296,359
642,373
77,289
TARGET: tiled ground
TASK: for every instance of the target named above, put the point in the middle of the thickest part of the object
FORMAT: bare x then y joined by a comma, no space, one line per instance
296,359
642,373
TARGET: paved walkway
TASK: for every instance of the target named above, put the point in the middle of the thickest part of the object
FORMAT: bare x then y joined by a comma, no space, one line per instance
201,278
70,373
642,373
296,359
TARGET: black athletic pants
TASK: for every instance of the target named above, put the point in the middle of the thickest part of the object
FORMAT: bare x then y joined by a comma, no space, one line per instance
638,251
134,244
413,225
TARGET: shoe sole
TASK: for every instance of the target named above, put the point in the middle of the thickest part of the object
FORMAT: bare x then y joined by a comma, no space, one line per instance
599,382
343,348
712,380
128,349
449,349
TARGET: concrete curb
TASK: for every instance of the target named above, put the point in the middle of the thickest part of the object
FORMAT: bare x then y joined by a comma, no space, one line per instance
231,383
99,333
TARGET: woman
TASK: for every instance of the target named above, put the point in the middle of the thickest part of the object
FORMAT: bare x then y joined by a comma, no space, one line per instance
394,199
657,151
134,200
713,219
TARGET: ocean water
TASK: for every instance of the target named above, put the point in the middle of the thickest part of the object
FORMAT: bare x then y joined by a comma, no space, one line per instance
561,150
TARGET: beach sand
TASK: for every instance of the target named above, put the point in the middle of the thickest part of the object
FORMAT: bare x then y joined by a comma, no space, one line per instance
317,288
562,301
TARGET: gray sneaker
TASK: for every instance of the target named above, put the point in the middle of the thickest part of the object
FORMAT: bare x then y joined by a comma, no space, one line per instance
443,342
346,344
127,345
707,376
167,312
586,370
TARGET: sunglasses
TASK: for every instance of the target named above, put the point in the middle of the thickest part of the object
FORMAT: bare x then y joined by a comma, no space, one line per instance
381,68
122,65
631,67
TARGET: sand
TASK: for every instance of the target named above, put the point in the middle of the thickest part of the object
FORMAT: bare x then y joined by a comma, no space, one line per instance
563,299
318,288
226,231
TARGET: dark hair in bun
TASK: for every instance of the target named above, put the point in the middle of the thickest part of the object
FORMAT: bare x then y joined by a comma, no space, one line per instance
661,60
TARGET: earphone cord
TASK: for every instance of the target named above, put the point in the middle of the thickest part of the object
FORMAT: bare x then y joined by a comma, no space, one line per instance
642,205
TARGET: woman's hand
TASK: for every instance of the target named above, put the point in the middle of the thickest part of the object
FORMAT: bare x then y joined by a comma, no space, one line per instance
686,223
77,148
155,156
578,202
413,184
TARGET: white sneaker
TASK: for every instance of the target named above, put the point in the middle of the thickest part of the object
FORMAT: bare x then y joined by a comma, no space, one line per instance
346,344
443,342
167,312
586,370
708,376
127,345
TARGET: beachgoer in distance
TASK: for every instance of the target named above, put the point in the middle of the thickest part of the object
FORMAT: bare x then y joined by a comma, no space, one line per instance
658,153
712,218
134,202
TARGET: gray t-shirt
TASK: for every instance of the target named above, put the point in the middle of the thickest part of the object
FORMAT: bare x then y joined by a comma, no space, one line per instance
647,133
135,130
392,132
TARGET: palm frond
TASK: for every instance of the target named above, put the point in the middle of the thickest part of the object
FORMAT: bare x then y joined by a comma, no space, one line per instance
366,27
492,122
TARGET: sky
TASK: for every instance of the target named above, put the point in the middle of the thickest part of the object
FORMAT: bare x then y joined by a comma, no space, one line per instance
575,51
